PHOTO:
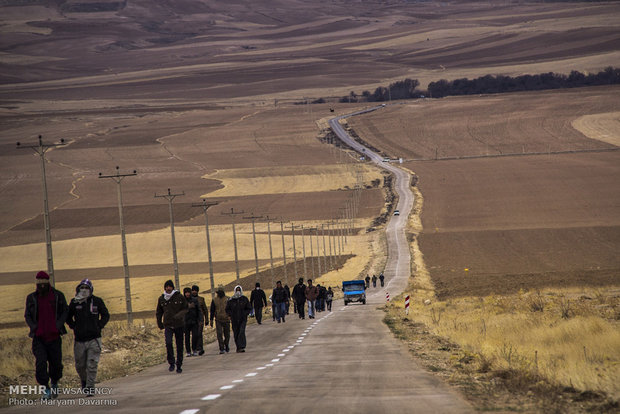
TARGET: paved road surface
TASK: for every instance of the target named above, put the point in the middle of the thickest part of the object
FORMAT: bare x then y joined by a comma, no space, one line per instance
344,361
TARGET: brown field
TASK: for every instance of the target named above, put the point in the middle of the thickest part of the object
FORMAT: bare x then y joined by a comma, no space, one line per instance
199,97
497,224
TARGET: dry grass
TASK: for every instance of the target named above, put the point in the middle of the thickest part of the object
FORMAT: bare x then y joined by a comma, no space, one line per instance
126,350
604,127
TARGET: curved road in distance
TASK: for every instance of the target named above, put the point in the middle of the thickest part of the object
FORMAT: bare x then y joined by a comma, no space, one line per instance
398,265
344,361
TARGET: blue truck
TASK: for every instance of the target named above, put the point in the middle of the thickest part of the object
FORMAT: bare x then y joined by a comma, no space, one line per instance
354,291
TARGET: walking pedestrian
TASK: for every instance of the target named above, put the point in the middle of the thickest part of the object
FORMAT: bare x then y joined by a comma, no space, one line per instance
299,295
87,317
381,278
374,281
238,308
222,320
46,313
288,297
192,318
203,319
367,279
311,294
320,300
280,299
170,315
329,296
258,299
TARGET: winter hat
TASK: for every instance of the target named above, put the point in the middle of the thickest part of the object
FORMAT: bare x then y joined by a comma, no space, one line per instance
257,284
168,283
301,280
196,288
85,282
42,277
185,290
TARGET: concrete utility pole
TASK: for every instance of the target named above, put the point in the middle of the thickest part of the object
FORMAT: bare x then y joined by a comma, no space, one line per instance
312,258
268,219
330,235
118,177
254,218
318,252
294,251
170,197
343,213
232,215
324,249
41,149
284,249
205,206
303,249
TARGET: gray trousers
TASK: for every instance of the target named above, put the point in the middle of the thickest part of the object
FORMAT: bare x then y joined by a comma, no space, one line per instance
87,360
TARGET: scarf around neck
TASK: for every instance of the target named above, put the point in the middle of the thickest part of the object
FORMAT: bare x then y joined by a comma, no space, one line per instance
167,296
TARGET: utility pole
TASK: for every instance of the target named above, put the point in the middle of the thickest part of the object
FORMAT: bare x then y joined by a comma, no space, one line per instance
205,206
253,218
118,177
344,221
324,249
268,219
318,251
170,197
330,235
294,251
41,149
303,249
284,249
232,215
312,258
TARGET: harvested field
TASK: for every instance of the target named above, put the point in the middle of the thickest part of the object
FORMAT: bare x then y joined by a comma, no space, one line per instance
494,225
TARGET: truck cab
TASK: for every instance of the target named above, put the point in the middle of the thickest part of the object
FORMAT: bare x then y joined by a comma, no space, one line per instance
354,291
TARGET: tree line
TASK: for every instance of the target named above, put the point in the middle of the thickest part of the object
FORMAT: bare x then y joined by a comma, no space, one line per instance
488,84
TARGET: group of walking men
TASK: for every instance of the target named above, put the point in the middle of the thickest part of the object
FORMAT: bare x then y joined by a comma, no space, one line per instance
374,280
182,317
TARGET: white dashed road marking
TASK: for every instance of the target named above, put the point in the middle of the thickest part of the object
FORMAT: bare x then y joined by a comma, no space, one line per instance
211,397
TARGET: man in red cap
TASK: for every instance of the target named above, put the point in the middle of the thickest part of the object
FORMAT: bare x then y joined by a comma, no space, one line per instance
46,313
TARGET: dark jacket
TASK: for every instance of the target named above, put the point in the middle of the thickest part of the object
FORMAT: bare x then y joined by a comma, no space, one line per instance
322,292
204,312
258,298
88,318
299,293
238,308
279,295
171,311
192,317
32,313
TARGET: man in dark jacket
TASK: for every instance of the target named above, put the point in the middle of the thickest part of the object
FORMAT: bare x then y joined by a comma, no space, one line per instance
288,297
87,317
381,278
320,300
170,315
46,313
299,295
238,308
280,298
258,299
192,319
204,318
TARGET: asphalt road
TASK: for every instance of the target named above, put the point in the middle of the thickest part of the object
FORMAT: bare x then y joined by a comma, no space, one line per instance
344,361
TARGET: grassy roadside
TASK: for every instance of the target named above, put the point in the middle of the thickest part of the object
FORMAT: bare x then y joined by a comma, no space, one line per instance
126,350
556,350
